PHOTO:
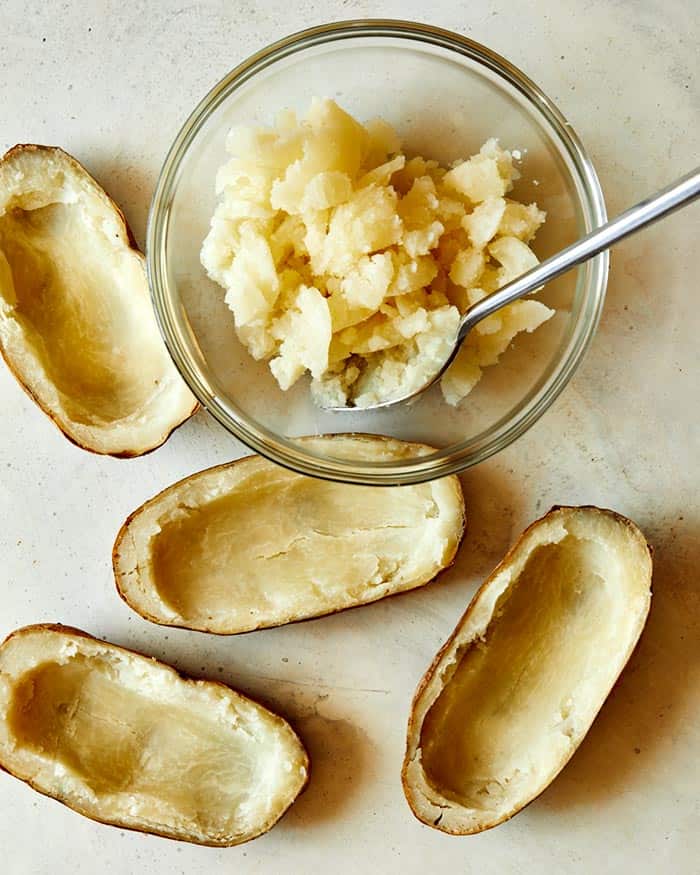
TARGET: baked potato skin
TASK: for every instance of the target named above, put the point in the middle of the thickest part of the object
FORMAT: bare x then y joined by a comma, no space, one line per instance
25,148
413,729
124,531
79,633
13,153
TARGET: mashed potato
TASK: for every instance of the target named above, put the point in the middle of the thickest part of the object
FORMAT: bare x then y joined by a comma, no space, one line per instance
342,258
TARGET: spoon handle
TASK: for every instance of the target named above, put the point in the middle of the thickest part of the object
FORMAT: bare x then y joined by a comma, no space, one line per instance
671,198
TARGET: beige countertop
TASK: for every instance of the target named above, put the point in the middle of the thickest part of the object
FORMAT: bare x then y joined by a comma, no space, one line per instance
112,82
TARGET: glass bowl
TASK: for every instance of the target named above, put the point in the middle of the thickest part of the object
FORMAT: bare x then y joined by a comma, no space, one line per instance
445,95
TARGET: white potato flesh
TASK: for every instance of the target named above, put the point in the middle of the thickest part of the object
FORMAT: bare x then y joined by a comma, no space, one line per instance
126,740
484,222
76,323
515,689
342,205
249,544
305,334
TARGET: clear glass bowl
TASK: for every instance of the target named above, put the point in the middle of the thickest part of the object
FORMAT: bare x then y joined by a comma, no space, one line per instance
445,95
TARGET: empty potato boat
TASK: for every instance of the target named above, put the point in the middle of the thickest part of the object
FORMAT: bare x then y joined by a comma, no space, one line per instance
512,693
76,325
128,741
249,544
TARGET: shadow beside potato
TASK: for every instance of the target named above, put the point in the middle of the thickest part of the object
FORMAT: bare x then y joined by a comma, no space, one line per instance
636,726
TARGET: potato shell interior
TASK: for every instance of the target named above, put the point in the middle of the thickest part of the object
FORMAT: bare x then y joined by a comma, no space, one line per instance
76,324
517,686
126,740
249,544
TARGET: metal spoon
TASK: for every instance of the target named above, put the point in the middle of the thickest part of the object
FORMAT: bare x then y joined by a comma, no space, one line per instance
673,197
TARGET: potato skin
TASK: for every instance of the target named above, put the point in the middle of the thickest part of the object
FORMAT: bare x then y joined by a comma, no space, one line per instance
79,633
124,529
79,170
413,729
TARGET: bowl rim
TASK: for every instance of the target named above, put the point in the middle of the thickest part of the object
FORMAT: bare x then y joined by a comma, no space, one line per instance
182,345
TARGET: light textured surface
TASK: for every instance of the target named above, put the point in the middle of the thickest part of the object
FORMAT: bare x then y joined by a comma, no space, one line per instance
112,82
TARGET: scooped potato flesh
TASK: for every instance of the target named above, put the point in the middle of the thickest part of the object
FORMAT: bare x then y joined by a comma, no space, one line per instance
493,728
89,344
332,207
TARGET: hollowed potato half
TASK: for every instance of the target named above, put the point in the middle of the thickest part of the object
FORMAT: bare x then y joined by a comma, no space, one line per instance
514,690
249,544
76,324
126,740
